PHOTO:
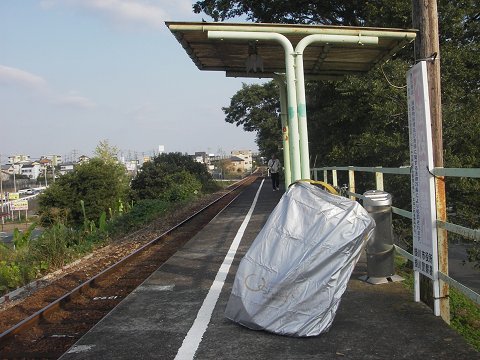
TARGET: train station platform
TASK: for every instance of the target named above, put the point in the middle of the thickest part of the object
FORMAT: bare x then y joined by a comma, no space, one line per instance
178,312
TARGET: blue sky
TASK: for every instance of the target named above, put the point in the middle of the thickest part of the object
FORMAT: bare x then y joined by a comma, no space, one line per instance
75,72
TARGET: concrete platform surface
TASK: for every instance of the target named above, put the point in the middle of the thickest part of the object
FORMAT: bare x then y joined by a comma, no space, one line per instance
373,321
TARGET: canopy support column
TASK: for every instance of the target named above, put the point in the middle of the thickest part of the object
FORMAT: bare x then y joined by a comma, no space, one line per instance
300,86
284,117
291,90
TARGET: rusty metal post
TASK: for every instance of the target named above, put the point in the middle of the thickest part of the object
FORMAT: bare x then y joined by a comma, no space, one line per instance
440,197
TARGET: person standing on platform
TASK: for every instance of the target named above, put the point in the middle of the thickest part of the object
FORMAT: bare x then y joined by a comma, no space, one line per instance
274,168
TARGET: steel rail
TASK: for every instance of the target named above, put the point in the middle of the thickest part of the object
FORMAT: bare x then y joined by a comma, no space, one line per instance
53,306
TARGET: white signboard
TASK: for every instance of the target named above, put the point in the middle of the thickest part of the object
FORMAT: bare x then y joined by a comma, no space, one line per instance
423,182
19,205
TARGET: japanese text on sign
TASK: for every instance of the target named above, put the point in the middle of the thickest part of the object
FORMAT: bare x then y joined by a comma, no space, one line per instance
422,182
19,205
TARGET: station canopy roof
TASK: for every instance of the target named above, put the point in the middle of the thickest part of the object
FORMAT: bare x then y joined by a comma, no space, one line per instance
321,61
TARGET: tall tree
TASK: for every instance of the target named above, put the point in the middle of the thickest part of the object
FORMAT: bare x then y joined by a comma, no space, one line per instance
257,108
383,106
346,12
363,120
327,12
106,152
171,176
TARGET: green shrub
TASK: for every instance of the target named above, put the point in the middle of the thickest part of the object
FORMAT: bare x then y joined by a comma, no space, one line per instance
143,212
10,276
182,186
22,239
99,184
60,244
160,178
17,268
53,246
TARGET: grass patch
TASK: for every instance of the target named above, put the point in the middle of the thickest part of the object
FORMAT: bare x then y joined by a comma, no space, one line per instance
464,313
222,184
59,244
142,213
465,317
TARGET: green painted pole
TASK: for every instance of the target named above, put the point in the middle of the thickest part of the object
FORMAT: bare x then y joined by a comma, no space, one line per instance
300,86
284,117
293,136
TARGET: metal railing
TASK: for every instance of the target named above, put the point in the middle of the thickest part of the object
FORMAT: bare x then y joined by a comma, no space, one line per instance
468,233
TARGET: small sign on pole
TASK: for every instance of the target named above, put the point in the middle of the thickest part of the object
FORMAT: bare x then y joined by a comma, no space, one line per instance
13,196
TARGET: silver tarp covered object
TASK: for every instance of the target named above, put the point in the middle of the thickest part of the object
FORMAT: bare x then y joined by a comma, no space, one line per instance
292,278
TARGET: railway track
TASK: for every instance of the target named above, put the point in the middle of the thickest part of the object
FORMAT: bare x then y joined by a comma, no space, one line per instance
71,310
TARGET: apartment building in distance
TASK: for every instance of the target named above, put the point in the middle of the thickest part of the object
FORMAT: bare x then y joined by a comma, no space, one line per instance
18,159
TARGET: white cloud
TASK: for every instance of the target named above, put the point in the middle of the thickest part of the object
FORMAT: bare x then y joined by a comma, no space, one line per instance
75,100
150,13
31,83
17,77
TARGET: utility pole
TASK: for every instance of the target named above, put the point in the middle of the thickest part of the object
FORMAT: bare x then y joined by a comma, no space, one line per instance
425,19
74,154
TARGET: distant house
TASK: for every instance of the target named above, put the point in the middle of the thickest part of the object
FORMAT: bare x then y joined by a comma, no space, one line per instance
210,162
45,162
55,159
17,168
4,174
237,165
201,157
246,155
31,170
131,166
8,169
83,159
15,159
66,168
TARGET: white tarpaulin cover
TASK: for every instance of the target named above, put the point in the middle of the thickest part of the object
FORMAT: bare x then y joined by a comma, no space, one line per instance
292,278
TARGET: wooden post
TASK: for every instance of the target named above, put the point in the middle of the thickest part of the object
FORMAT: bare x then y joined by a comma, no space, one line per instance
425,19
379,180
351,182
